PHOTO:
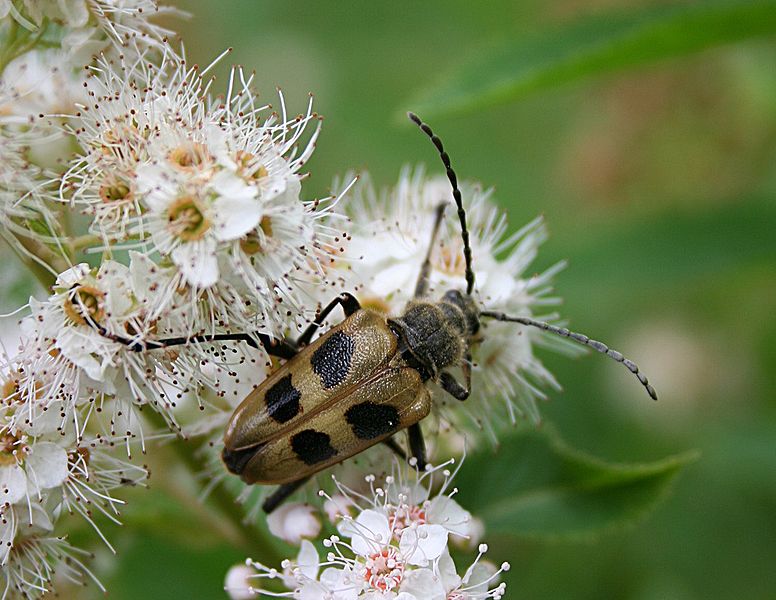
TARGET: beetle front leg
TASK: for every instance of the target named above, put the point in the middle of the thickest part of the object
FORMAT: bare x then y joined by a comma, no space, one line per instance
280,348
349,305
281,494
452,387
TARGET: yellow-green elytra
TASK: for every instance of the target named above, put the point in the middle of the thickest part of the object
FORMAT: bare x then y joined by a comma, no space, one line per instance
348,390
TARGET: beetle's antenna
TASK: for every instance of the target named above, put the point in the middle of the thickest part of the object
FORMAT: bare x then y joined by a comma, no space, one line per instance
580,338
467,251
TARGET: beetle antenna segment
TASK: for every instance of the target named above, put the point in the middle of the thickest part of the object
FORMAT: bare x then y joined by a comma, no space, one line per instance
467,251
580,338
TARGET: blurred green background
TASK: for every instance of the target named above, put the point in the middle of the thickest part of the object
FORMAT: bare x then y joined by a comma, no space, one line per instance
657,183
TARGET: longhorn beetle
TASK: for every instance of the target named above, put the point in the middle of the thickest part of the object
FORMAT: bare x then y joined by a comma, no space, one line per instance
362,381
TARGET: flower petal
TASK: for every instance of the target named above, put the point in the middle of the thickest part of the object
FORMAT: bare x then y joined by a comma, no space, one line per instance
197,262
13,484
369,532
234,217
339,583
46,466
446,512
447,572
422,544
307,560
422,583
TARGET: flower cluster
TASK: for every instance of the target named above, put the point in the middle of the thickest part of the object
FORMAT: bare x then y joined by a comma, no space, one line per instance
172,230
209,186
391,232
90,26
392,542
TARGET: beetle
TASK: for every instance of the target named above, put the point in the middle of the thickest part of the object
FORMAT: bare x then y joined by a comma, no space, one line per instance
366,379
363,380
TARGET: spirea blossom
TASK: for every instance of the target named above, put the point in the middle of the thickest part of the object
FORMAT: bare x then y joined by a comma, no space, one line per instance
391,233
90,26
211,186
392,542
175,237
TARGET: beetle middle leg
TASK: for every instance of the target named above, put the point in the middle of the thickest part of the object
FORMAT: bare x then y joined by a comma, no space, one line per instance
349,305
281,494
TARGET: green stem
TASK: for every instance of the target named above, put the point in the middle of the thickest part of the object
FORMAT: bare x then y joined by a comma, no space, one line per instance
250,538
16,45
45,277
5,55
80,242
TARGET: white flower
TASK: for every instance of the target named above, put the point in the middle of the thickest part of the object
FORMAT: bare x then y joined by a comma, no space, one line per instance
41,82
390,549
28,467
293,522
89,26
238,582
93,475
36,557
391,233
212,185
479,582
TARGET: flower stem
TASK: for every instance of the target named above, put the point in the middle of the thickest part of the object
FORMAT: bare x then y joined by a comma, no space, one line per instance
252,539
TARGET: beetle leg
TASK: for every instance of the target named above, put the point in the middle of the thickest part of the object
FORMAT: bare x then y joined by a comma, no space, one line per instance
421,287
281,494
391,443
417,445
274,347
452,387
466,367
349,305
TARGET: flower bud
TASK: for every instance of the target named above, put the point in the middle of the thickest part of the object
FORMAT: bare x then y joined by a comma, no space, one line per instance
294,522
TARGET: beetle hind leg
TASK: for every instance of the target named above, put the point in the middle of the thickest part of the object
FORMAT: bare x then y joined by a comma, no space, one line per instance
417,446
395,448
281,494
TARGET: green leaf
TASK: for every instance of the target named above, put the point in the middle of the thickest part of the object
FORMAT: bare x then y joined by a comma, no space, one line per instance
592,46
539,488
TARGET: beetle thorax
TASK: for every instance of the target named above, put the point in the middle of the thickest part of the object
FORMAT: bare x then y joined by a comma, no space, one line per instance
437,334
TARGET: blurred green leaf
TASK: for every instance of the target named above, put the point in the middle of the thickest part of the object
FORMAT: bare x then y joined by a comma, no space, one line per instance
592,46
539,488
669,250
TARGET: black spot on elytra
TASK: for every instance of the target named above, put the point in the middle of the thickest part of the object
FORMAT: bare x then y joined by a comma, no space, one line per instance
370,420
312,446
283,400
331,362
